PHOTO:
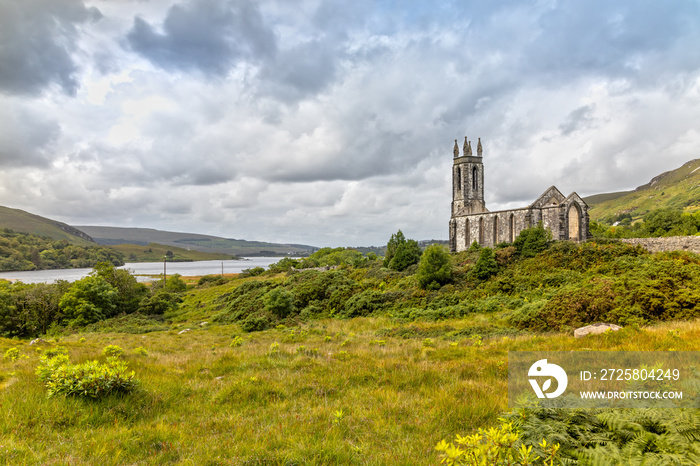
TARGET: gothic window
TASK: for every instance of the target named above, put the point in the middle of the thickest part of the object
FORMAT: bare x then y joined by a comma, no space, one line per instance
495,231
466,233
481,230
475,178
459,178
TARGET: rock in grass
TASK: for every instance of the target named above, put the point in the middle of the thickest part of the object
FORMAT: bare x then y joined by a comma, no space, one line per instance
38,341
595,329
183,331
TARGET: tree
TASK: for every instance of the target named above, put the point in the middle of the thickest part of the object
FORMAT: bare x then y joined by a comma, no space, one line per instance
129,290
660,222
401,253
396,240
435,268
89,300
486,264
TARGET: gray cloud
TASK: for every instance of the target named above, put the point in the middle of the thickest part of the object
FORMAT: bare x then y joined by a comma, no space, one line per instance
205,35
580,118
37,42
26,137
298,120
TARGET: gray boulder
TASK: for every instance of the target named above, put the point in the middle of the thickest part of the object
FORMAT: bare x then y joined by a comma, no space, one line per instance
595,329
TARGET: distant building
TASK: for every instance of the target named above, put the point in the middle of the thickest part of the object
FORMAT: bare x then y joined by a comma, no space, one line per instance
566,217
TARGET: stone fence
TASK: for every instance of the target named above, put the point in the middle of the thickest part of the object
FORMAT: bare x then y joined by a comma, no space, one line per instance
671,243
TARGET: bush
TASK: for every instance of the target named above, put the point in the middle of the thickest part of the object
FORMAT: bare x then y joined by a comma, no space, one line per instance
279,302
113,351
90,379
254,272
159,303
498,445
12,354
435,268
486,265
89,300
401,253
532,241
212,280
363,304
255,323
129,291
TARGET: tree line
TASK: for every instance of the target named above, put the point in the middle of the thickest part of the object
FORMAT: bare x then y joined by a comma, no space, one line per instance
21,251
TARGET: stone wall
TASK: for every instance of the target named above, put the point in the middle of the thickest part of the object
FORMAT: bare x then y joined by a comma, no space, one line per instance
671,243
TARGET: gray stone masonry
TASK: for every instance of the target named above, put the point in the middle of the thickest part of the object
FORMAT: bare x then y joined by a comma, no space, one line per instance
671,243
566,217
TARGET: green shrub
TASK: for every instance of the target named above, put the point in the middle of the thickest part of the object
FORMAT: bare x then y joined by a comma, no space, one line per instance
113,351
279,302
435,268
255,323
12,354
254,272
363,304
486,265
90,379
159,303
213,280
89,300
532,241
496,446
401,253
237,341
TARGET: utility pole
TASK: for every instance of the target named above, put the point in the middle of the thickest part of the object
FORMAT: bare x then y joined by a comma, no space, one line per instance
165,274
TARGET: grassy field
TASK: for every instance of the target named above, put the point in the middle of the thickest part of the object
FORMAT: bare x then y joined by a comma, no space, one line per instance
327,392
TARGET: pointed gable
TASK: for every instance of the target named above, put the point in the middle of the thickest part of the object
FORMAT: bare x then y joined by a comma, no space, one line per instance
550,197
573,197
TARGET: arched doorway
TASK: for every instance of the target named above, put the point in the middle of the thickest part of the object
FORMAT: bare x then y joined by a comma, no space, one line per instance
574,223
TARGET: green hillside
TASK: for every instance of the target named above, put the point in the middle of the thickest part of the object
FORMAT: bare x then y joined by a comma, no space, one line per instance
677,189
204,243
24,222
155,252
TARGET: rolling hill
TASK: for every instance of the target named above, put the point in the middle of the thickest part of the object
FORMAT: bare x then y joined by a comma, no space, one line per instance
204,243
676,189
24,222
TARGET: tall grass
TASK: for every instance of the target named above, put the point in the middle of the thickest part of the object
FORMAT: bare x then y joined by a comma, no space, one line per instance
342,398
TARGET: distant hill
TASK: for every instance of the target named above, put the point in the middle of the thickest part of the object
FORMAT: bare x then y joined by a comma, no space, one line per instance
24,222
204,243
677,189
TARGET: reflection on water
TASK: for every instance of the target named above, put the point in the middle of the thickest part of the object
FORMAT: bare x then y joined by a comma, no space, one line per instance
196,268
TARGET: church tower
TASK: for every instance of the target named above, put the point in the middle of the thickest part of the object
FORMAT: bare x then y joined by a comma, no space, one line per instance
467,187
468,180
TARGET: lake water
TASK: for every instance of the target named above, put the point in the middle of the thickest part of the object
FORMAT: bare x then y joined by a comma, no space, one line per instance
196,268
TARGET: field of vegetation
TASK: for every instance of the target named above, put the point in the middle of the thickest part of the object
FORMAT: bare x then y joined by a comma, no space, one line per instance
376,361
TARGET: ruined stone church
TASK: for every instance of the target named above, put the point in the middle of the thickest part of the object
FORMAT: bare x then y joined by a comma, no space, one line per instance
566,217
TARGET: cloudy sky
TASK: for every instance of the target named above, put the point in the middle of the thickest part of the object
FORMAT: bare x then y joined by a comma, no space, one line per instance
332,123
